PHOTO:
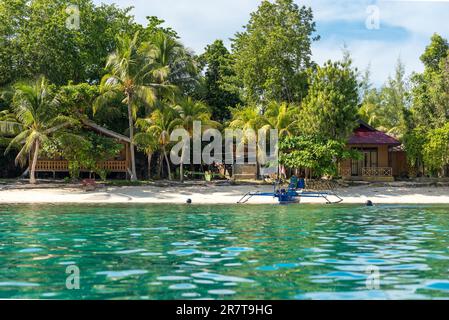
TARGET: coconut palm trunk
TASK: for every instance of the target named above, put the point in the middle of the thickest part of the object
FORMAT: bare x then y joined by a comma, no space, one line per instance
181,172
168,164
131,137
149,156
33,164
159,168
257,163
181,167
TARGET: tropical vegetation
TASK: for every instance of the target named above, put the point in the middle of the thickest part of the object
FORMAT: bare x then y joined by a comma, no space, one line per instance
142,82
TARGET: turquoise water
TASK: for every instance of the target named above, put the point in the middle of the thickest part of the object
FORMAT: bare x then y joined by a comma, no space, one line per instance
225,252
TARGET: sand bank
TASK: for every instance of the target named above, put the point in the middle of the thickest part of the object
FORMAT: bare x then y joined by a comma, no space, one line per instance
214,194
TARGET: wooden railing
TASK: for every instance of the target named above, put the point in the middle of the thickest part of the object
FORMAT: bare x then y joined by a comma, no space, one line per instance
114,166
377,172
52,166
63,166
369,172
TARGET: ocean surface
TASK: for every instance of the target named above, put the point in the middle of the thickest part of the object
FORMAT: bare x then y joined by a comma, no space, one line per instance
224,252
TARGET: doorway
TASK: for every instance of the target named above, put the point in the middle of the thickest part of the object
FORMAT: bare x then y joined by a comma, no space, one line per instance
369,160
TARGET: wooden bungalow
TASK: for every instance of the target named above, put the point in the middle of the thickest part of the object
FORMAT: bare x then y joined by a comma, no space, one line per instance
119,164
383,158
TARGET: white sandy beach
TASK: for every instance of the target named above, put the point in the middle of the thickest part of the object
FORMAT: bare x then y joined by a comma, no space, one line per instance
213,194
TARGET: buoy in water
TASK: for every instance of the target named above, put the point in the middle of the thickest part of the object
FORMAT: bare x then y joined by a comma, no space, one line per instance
369,203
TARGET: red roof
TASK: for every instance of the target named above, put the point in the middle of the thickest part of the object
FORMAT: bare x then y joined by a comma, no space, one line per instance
366,134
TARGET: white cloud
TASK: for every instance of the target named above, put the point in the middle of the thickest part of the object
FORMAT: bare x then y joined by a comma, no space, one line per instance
419,17
200,22
380,56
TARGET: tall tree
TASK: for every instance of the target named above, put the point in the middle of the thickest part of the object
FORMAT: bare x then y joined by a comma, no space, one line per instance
12,15
135,73
436,51
395,100
387,108
219,92
430,106
331,106
426,139
274,51
182,67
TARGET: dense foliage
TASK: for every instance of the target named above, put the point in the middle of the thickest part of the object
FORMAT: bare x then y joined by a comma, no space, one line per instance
273,52
387,108
330,108
83,151
142,82
415,109
315,153
34,40
217,90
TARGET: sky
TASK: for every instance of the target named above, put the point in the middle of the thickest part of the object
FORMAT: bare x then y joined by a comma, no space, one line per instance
376,32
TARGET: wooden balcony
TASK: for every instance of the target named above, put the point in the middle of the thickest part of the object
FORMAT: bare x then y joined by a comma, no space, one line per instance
63,166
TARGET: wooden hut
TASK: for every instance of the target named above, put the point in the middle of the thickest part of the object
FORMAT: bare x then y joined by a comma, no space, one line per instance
119,164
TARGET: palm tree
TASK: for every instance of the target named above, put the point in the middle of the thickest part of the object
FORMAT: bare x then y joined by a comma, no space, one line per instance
369,113
183,69
147,141
34,106
282,117
136,73
248,118
160,124
190,111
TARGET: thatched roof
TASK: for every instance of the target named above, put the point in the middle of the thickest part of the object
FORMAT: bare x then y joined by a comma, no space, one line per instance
106,132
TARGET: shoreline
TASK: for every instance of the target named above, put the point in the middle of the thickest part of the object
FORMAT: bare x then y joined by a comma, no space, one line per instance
213,194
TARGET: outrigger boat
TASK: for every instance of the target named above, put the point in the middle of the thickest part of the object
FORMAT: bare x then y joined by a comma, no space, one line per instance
295,192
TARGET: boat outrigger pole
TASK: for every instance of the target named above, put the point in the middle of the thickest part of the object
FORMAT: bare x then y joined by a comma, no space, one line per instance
295,192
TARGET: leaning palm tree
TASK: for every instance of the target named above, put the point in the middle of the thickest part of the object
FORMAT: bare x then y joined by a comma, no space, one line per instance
190,111
34,106
160,124
135,72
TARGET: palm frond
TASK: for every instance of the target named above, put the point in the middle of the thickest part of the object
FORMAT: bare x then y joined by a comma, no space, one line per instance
10,128
145,95
17,141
